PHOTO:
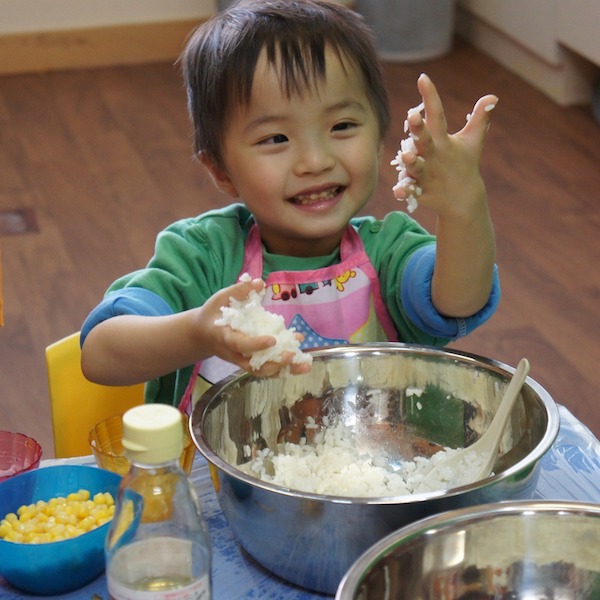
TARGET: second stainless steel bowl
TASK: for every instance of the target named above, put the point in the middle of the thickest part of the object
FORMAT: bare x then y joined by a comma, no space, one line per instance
507,551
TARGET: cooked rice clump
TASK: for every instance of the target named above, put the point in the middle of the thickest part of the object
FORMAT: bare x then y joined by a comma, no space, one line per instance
333,465
250,317
404,180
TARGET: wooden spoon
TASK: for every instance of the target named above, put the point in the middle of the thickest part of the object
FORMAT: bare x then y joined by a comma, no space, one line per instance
487,445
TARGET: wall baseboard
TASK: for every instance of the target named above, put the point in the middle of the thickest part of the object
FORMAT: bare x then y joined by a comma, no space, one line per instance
93,47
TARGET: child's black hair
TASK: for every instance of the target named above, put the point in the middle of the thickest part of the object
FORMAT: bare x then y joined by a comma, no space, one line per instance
220,59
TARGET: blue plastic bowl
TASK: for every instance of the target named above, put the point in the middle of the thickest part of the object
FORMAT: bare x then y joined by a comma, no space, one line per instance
57,567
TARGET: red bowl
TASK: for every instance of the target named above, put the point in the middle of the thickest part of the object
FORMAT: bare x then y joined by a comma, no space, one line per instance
18,453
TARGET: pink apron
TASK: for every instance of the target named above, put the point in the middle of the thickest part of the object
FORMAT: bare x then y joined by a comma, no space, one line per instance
339,304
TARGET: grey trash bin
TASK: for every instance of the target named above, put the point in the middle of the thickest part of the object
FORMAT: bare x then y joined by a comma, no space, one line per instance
410,30
405,30
223,4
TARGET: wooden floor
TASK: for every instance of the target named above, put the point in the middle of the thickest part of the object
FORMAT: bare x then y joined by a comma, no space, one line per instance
103,158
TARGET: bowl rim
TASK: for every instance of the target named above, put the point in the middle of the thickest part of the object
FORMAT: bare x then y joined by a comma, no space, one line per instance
7,433
28,441
205,401
450,519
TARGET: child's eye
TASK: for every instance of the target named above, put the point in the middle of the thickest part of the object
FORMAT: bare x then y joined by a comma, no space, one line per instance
343,126
278,138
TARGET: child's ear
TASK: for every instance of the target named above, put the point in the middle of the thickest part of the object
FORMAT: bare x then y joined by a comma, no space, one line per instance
218,175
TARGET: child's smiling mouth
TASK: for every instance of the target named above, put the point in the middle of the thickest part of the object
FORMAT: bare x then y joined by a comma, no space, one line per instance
317,196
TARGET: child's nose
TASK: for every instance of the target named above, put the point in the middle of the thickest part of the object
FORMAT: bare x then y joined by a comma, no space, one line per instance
314,157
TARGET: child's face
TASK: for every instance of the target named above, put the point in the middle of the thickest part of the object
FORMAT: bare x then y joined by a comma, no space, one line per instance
303,165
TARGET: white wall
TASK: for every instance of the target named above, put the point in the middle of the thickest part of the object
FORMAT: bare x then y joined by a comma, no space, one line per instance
579,28
26,16
532,22
531,38
542,26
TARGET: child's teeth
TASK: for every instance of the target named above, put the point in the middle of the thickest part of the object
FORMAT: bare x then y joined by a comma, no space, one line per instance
315,196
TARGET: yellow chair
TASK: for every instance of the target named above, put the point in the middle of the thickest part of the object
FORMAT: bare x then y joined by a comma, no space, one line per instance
77,404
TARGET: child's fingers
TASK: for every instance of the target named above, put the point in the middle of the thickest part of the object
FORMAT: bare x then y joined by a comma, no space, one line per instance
241,289
274,369
435,116
421,136
241,343
413,161
237,347
238,291
478,122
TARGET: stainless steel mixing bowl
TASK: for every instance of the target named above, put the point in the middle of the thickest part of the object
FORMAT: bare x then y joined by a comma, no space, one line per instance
506,551
311,539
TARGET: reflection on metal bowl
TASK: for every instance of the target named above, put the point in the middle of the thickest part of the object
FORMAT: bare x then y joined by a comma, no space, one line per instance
311,539
528,550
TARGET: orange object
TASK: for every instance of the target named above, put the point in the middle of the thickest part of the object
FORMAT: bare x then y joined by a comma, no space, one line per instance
106,444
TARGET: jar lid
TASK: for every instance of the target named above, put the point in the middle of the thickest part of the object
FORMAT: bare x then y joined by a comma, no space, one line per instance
152,433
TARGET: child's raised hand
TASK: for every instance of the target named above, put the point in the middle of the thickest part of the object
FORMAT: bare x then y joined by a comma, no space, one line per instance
445,167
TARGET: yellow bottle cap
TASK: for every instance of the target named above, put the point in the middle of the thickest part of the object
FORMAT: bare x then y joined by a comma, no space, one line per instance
152,433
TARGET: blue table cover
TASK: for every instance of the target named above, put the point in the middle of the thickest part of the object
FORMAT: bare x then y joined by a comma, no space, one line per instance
570,470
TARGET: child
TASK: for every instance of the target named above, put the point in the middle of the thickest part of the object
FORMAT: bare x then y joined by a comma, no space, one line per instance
290,110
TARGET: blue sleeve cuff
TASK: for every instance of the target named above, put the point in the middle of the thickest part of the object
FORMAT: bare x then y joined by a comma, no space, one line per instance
127,301
415,295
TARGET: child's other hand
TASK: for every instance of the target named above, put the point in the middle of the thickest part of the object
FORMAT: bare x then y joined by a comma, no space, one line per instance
237,347
446,167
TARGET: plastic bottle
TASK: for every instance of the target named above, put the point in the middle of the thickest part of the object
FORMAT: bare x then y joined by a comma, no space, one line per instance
158,545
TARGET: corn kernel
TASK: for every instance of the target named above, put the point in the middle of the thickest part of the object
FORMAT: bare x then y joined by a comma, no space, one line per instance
5,528
27,515
39,527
